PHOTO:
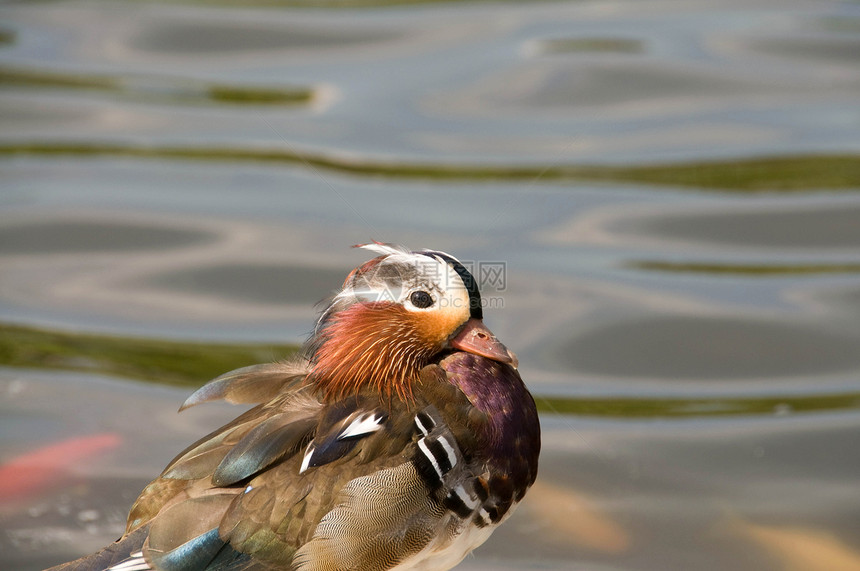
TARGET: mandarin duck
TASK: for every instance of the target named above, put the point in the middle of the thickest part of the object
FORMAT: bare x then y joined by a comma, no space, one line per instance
402,437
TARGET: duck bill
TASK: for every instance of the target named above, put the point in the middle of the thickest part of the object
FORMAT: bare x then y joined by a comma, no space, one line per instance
476,338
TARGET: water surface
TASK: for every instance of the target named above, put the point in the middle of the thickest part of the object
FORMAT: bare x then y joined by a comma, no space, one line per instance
672,189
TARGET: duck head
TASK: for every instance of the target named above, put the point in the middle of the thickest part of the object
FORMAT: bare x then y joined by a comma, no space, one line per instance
395,314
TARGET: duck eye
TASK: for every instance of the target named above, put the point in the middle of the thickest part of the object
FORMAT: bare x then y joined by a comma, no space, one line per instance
421,299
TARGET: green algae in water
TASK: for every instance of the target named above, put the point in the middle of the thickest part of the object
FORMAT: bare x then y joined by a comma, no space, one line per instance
154,360
802,173
788,173
762,270
259,95
696,407
158,89
184,363
46,79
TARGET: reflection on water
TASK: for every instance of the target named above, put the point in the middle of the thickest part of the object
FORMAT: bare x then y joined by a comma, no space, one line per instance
553,86
811,227
194,37
91,236
826,50
672,189
267,284
700,347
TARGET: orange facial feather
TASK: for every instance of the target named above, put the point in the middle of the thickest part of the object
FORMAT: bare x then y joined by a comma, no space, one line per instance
380,345
434,328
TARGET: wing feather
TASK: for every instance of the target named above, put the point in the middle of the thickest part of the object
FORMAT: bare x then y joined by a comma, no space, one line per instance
250,385
274,438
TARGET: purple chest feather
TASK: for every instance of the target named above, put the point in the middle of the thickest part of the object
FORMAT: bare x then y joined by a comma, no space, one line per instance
512,433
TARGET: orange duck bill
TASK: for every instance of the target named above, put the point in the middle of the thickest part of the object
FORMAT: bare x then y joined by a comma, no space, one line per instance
476,338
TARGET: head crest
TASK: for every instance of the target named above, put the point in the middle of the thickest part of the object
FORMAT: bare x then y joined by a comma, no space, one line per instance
383,249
